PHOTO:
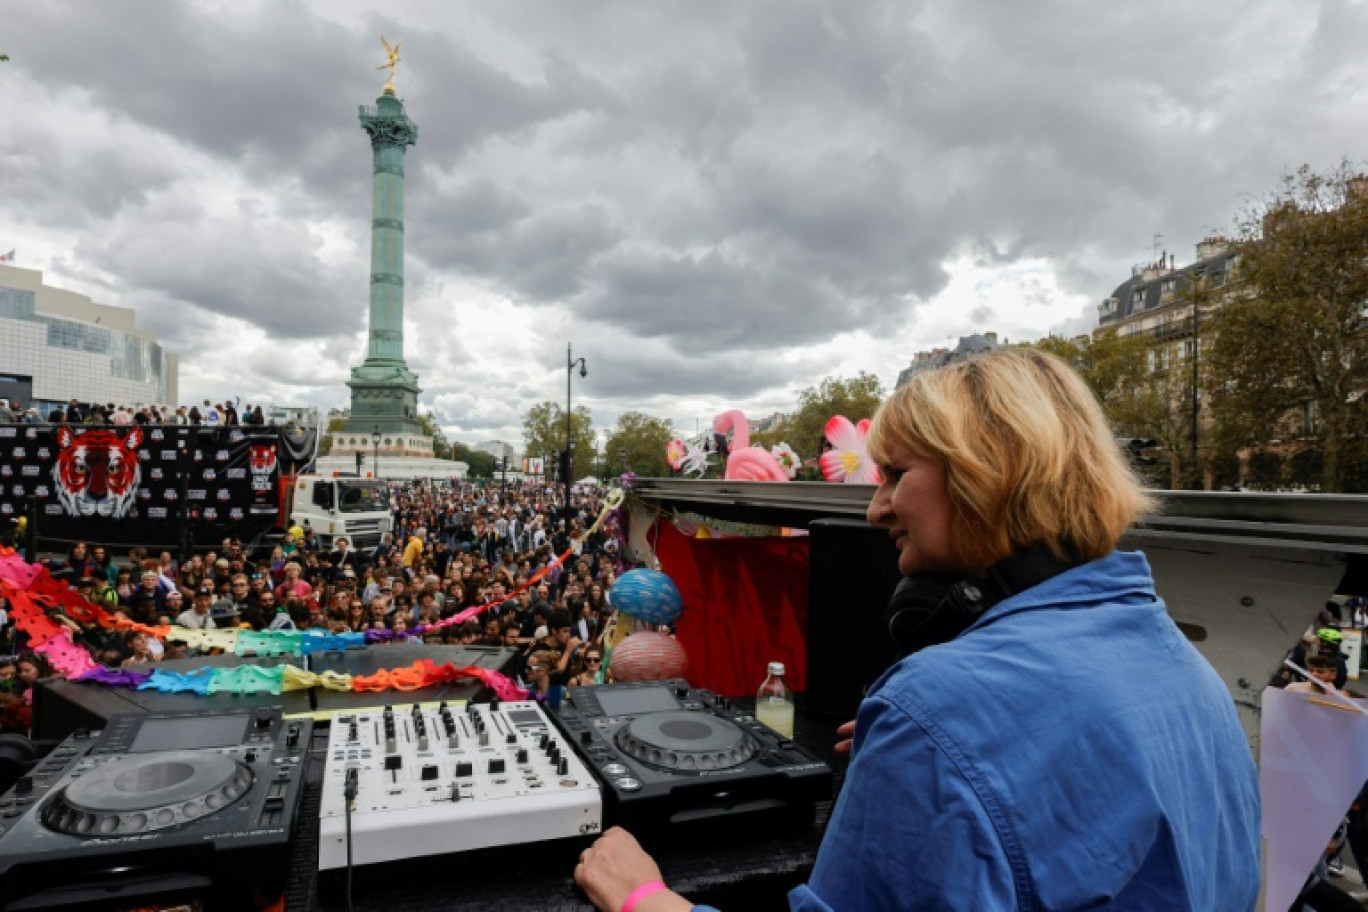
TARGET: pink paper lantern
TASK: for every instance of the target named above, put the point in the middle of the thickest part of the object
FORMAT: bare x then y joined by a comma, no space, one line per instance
648,656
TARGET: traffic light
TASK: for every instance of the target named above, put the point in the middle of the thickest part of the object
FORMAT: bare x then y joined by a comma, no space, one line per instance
563,457
360,458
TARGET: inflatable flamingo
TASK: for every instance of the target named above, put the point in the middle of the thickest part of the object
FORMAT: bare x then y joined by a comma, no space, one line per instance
747,463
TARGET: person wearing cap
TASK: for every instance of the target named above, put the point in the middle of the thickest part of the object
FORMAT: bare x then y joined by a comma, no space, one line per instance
1328,641
197,616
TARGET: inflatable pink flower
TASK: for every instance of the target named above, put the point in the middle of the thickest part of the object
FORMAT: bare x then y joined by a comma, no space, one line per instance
675,452
848,459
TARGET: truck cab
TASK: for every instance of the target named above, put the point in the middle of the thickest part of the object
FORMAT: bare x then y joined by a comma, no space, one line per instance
335,506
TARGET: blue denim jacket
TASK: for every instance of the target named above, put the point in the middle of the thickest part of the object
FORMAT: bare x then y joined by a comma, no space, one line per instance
1070,750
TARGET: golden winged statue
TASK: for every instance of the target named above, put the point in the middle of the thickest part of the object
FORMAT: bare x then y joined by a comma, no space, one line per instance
391,51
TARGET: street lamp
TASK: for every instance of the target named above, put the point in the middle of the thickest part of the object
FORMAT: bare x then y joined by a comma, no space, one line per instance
570,362
375,444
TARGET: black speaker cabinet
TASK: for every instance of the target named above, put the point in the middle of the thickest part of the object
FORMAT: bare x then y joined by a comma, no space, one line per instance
852,573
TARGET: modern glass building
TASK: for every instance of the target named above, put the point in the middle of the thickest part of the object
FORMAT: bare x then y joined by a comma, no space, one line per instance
56,345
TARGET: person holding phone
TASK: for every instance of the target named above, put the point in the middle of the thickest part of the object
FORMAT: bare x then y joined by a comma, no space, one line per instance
1050,740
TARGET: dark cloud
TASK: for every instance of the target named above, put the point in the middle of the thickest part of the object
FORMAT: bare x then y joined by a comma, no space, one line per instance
711,193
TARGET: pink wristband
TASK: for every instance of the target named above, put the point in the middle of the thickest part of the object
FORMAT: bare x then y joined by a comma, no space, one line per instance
651,886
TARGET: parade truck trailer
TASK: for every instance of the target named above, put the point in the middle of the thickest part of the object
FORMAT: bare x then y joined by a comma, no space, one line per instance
177,488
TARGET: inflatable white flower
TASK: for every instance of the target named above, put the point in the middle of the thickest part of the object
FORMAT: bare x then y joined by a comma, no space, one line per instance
787,459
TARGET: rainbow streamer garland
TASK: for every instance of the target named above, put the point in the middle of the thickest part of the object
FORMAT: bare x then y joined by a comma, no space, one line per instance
32,592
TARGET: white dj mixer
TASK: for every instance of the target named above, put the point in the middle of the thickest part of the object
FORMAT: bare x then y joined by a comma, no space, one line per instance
432,779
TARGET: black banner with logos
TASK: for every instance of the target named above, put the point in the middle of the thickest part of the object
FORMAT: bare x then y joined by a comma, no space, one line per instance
140,485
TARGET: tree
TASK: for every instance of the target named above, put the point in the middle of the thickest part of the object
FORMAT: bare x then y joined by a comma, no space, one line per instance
335,423
643,439
1144,385
544,434
441,447
854,397
481,463
1289,345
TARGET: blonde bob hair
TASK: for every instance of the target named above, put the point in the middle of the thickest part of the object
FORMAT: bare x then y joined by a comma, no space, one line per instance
1028,456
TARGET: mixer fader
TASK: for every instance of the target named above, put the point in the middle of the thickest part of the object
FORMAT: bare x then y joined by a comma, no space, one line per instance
430,779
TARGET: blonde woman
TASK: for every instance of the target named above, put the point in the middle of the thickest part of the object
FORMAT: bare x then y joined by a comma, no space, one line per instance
1051,741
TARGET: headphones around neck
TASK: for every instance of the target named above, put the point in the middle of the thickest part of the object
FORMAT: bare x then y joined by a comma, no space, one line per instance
927,609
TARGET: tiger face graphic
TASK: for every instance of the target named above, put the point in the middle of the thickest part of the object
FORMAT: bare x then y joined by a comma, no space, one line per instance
263,459
96,472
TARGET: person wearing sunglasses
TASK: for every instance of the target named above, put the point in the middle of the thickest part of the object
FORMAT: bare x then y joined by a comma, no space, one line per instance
590,670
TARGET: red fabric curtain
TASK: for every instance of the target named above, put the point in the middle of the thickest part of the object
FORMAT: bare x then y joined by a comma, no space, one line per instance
745,605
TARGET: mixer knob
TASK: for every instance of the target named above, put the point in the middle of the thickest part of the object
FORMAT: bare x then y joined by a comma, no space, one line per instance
544,740
521,756
465,769
493,706
484,739
394,762
422,742
496,765
442,707
429,773
562,766
586,737
453,741
553,754
512,738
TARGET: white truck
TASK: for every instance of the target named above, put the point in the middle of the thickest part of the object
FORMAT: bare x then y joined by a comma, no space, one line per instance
341,505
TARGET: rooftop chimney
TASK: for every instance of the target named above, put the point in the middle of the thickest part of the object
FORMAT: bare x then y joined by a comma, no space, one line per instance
1210,246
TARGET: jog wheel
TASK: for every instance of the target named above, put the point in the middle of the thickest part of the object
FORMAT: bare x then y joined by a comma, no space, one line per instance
684,740
147,794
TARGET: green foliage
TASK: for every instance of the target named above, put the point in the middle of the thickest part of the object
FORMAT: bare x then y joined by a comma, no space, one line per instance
481,463
441,447
544,434
854,397
1293,332
1145,387
643,439
335,423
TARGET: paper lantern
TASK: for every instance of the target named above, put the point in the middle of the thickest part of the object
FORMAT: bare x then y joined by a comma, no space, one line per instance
648,656
647,595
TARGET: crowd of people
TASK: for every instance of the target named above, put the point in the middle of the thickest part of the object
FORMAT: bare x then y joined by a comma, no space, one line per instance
227,413
455,546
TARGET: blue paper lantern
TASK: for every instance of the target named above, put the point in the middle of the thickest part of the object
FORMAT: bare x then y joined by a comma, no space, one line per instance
647,595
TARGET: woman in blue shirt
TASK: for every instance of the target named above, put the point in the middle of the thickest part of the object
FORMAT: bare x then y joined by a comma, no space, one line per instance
991,769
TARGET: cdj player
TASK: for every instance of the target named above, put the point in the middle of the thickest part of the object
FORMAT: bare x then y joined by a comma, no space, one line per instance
670,754
172,805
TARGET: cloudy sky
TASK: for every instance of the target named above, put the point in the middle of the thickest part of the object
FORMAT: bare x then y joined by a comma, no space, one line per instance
717,203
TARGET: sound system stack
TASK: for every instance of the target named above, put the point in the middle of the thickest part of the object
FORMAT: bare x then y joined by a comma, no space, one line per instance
852,573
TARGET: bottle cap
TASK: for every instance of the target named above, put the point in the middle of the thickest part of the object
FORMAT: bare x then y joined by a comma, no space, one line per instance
776,668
